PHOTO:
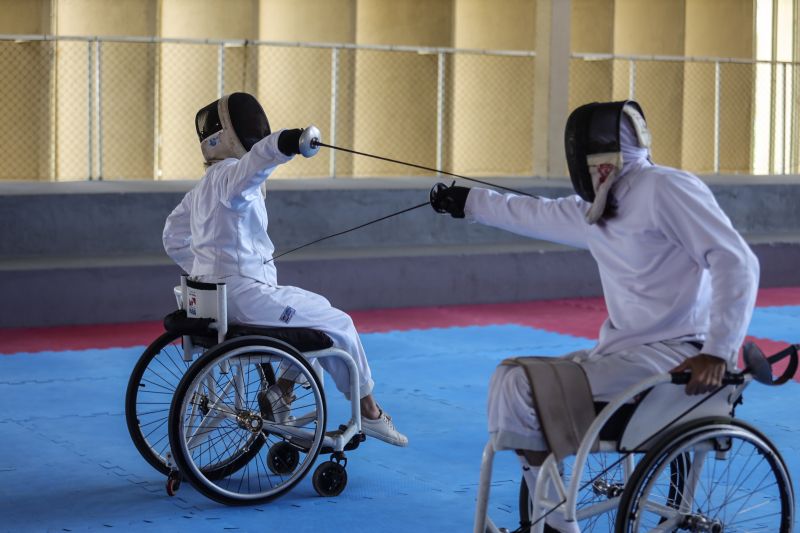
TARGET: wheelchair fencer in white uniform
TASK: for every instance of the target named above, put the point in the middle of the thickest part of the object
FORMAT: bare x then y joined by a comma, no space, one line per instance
653,458
218,233
674,272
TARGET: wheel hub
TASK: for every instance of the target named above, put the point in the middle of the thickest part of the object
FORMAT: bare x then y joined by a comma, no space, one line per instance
250,421
201,401
610,490
697,523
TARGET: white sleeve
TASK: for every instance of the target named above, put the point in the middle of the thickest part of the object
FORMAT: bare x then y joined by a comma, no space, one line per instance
688,214
177,235
243,178
558,220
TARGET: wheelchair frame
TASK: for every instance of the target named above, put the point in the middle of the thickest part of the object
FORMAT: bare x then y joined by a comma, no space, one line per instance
199,303
634,439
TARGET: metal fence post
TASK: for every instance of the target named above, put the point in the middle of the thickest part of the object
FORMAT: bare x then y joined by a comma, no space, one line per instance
716,116
632,80
440,73
90,108
157,113
220,70
334,96
99,108
787,145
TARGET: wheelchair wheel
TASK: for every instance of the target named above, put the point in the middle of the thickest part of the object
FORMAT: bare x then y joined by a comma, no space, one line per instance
602,479
148,398
735,480
219,416
149,395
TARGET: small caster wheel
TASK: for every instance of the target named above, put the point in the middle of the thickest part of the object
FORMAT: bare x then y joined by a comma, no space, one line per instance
173,482
329,479
282,458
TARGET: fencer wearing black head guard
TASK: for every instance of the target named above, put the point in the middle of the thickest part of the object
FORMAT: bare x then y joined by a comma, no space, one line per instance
219,232
679,282
600,144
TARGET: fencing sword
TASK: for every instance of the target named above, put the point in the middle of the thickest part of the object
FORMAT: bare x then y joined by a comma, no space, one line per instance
315,143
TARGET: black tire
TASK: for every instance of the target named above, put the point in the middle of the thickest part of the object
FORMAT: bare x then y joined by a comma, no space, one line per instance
173,483
149,395
248,483
677,445
329,479
282,458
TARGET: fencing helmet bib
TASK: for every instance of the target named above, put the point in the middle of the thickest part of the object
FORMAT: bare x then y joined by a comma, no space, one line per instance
230,126
592,143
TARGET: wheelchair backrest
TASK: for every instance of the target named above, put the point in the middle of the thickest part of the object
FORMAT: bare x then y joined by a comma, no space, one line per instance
202,300
667,405
206,300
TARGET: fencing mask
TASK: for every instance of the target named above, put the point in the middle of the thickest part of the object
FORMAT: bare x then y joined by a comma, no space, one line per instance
593,142
230,127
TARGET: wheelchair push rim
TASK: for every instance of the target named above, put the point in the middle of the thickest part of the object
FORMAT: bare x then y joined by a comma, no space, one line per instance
735,481
219,405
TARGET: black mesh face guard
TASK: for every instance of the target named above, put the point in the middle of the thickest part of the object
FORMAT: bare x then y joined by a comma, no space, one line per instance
591,129
207,120
248,118
576,138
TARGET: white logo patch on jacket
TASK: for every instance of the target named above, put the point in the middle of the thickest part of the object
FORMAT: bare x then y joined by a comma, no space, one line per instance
287,315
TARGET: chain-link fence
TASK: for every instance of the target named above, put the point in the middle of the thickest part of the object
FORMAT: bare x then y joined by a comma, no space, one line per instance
123,108
707,115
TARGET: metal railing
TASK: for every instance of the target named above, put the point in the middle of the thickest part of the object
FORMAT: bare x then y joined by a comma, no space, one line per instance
123,107
762,125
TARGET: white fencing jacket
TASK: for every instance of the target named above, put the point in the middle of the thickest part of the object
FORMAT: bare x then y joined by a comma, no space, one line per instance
671,264
220,227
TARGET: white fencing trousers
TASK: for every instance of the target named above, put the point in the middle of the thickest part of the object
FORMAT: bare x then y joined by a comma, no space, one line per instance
512,418
256,303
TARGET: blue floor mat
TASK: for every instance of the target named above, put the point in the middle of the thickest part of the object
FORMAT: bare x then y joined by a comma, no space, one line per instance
67,463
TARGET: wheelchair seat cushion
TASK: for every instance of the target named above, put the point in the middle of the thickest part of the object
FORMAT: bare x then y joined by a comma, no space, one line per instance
302,339
178,322
202,334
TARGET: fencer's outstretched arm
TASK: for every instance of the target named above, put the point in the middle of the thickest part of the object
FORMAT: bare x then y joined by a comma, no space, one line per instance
177,235
246,175
560,220
688,214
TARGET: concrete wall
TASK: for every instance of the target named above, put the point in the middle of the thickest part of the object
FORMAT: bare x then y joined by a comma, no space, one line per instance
91,252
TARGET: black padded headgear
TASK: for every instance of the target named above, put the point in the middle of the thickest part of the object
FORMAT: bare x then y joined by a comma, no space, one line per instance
593,147
230,126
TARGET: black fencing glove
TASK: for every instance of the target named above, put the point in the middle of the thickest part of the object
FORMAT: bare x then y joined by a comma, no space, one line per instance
450,199
289,141
299,141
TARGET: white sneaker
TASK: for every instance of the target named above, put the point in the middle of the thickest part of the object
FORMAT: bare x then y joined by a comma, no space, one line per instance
382,428
274,406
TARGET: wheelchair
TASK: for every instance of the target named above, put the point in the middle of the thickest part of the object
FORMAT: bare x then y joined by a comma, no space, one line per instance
237,410
656,459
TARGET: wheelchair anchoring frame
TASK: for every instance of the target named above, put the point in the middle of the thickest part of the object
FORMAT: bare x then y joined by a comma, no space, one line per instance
549,469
